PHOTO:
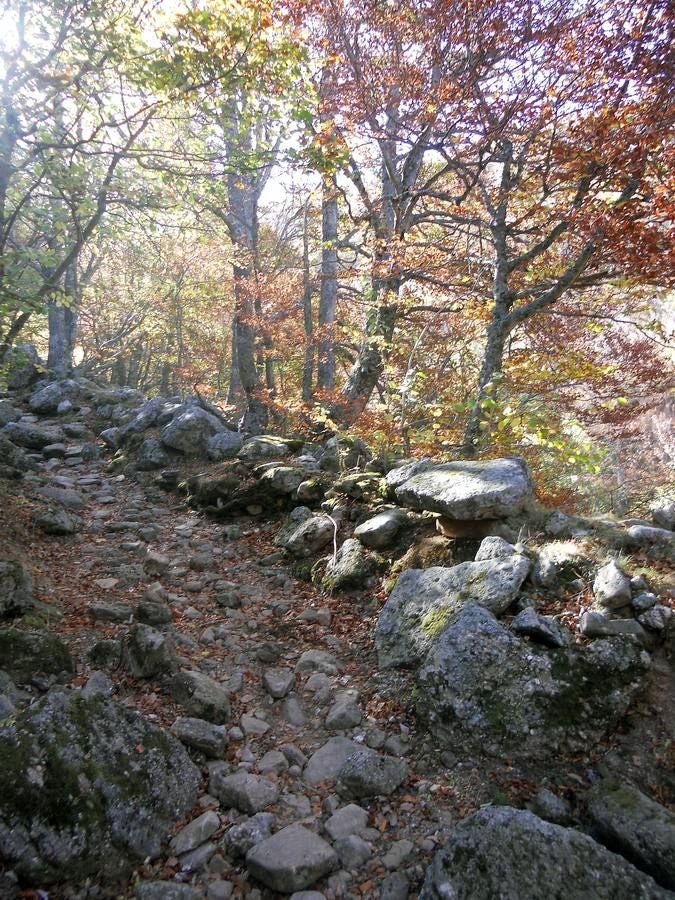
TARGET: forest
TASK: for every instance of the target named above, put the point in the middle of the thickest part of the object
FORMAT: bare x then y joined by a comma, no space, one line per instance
337,509
444,226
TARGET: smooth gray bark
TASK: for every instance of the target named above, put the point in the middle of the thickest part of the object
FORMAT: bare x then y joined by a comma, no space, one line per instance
329,287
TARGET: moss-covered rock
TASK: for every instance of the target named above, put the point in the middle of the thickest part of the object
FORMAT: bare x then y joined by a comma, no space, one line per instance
482,689
88,787
510,853
16,588
26,655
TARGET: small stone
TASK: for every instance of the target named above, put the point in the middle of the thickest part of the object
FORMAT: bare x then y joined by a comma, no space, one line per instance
198,859
398,854
166,890
292,711
211,740
219,890
110,611
327,761
395,887
353,851
348,820
278,682
345,712
292,859
273,762
542,629
494,547
196,833
594,625
657,618
369,774
240,838
252,726
316,616
318,661
643,601
245,792
200,695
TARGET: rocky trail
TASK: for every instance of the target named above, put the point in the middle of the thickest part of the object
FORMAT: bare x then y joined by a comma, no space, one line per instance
184,717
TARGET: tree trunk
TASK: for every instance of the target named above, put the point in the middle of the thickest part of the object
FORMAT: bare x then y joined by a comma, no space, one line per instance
328,295
235,392
493,360
62,320
369,365
308,364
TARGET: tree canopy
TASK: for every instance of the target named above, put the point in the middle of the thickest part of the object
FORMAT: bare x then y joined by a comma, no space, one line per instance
442,225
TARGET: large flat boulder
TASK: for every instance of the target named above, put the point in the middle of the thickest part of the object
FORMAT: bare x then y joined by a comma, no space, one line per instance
89,788
511,854
423,600
482,689
470,489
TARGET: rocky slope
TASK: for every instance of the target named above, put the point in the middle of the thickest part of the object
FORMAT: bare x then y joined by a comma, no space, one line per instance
260,668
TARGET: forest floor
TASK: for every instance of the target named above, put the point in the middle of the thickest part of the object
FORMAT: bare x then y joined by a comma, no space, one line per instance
122,519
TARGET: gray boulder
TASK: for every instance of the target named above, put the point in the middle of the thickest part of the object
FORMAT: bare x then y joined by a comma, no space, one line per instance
380,531
511,854
148,652
245,792
46,400
644,536
191,431
151,455
307,538
423,601
611,587
490,489
16,589
264,446
28,655
24,366
89,788
284,480
57,521
8,413
224,445
239,839
370,774
630,823
663,511
482,689
291,860
34,437
200,696
211,740
398,476
349,568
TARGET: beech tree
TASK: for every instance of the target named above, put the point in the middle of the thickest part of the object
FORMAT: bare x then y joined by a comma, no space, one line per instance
64,138
521,147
